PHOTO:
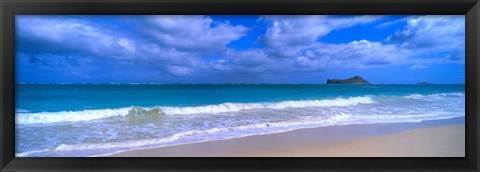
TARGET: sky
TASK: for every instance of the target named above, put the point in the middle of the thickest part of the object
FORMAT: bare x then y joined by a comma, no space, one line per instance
239,49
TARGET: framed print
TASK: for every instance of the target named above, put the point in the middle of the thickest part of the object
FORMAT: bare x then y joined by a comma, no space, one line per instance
187,85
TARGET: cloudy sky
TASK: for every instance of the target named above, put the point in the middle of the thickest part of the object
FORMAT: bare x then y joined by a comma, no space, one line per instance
239,49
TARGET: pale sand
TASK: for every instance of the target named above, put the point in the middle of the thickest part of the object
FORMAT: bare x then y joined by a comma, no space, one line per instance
437,141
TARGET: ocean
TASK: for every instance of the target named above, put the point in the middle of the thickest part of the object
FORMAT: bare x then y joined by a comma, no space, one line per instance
101,119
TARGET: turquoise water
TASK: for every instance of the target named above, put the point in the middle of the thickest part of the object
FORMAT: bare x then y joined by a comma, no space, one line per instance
99,119
75,97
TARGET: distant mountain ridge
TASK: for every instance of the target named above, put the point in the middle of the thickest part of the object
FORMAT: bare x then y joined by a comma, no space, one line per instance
354,80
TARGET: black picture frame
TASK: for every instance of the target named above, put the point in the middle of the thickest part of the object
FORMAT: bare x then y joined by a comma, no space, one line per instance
10,8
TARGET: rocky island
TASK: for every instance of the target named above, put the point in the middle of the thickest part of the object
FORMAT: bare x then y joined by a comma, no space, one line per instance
354,80
423,83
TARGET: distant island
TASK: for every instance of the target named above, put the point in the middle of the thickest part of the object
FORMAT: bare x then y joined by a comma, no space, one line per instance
424,83
354,80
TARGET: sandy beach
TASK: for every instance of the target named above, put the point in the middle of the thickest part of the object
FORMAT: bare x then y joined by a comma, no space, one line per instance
431,141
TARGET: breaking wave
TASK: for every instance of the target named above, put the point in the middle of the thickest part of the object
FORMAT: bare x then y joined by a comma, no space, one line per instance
86,115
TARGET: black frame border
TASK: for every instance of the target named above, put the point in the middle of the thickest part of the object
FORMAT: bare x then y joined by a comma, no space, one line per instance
10,8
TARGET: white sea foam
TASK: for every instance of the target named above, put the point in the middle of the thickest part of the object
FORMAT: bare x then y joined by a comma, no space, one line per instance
265,118
438,95
25,154
184,137
24,117
86,115
234,107
69,116
21,111
229,132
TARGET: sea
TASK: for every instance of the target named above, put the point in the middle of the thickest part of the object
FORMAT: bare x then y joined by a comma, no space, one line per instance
83,120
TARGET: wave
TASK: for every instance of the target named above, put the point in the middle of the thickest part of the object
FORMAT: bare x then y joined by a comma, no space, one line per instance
21,111
438,95
25,117
337,111
240,131
231,132
234,107
86,115
69,116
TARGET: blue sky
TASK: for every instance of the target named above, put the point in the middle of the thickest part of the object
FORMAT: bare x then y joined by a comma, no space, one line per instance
239,49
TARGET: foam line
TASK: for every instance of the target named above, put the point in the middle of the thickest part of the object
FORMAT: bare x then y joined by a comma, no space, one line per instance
86,115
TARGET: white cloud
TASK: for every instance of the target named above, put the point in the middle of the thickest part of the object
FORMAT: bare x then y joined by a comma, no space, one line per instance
391,23
252,58
244,61
192,33
288,35
171,44
433,34
49,34
321,56
356,54
418,66
179,70
187,46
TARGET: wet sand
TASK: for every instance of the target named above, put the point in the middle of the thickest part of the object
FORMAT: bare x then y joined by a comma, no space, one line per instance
431,141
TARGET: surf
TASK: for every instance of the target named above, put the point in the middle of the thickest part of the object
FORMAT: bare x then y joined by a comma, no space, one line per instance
24,117
87,115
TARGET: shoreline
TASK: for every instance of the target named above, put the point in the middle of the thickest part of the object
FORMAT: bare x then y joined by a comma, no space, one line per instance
440,140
